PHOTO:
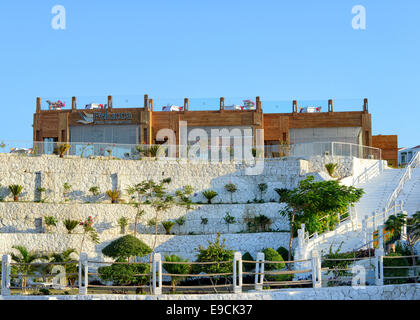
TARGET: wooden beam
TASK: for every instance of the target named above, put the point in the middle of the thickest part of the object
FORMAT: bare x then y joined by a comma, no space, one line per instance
38,105
365,105
294,106
73,104
110,103
330,106
222,104
186,104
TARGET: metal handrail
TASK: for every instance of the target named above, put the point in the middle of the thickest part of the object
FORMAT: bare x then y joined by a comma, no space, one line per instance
405,177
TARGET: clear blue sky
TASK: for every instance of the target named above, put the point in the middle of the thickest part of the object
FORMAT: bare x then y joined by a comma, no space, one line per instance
279,50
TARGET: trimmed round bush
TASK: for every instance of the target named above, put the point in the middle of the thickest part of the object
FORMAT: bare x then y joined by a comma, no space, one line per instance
284,253
272,255
248,267
125,247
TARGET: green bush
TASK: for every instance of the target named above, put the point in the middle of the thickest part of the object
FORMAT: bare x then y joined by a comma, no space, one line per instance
399,272
122,250
125,247
178,269
215,252
125,274
248,267
284,253
272,255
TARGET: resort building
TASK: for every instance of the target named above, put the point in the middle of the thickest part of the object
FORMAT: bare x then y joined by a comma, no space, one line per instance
97,123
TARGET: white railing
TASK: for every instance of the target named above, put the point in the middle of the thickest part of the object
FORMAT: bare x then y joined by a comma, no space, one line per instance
307,243
202,151
377,222
406,176
369,173
155,284
332,148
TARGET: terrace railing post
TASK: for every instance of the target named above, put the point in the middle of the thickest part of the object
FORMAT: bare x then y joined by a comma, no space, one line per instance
83,273
381,238
379,267
237,272
259,271
404,229
157,279
316,269
5,275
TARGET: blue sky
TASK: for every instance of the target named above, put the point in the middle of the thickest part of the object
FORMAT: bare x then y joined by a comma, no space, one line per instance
279,50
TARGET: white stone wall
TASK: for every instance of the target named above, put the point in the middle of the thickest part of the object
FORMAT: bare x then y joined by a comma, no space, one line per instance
389,292
51,172
185,246
19,217
347,166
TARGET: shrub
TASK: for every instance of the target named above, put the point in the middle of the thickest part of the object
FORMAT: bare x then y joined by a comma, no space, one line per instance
125,247
66,189
62,149
177,269
50,221
114,195
397,272
215,252
94,190
15,189
123,222
122,250
167,180
151,222
272,255
71,225
262,222
168,225
284,253
331,168
248,267
209,195
336,267
44,292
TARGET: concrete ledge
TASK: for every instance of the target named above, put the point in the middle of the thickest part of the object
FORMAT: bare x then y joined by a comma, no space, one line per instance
389,292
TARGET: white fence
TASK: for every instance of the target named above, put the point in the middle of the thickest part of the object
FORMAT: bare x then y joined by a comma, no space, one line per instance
201,151
156,284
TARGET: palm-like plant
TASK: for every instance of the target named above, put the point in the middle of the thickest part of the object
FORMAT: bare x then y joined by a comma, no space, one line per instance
209,195
114,195
70,268
71,225
330,167
25,258
168,225
15,189
62,149
176,269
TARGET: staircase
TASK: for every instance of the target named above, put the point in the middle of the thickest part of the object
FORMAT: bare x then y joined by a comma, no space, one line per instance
410,195
383,194
377,192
